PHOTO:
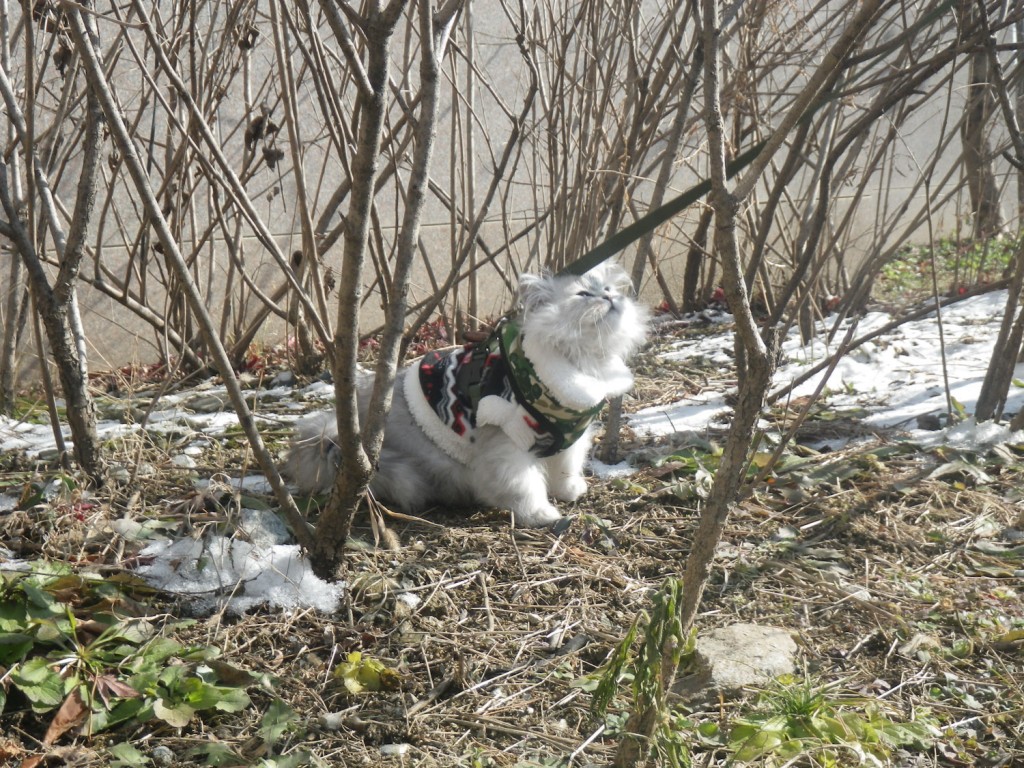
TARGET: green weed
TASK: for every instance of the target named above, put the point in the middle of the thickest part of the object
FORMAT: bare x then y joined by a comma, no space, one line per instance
799,720
951,265
70,651
663,648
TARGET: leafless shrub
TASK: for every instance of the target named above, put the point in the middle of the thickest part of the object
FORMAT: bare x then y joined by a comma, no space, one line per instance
289,148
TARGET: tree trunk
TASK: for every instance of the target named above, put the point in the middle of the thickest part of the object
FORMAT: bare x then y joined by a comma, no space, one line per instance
355,468
360,447
100,87
695,257
15,314
756,355
999,375
58,304
16,301
977,153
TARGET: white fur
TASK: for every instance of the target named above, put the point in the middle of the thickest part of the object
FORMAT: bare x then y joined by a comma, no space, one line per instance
578,332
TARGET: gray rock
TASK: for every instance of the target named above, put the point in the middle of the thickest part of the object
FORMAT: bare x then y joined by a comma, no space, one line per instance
283,379
732,658
208,404
162,755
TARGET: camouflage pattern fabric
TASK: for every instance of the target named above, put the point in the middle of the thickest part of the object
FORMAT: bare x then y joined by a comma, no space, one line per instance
565,425
454,381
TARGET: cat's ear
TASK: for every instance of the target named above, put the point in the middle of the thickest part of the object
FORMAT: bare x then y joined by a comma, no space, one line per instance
535,290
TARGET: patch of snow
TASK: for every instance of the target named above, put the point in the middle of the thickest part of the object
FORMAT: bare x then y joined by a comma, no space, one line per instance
682,416
717,349
411,599
219,572
25,436
610,471
972,436
895,378
318,390
211,423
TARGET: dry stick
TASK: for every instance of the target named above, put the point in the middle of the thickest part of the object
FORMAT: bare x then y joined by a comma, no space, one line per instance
499,172
310,258
216,165
101,87
845,346
16,309
433,42
609,449
57,305
17,299
999,375
833,59
355,466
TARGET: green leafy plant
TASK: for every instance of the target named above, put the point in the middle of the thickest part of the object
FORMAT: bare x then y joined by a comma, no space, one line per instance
359,674
796,718
662,651
957,265
71,654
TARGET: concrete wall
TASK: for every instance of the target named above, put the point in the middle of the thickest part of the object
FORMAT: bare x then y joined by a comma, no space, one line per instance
116,336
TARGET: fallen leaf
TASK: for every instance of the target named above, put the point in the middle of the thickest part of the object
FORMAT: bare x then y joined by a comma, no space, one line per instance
229,674
71,714
108,686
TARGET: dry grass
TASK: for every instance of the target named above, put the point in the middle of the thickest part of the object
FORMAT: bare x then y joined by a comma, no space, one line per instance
889,579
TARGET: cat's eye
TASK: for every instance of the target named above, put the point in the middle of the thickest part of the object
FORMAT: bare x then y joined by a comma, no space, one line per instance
585,294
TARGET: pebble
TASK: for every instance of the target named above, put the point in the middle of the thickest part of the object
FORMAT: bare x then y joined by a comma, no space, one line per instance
162,755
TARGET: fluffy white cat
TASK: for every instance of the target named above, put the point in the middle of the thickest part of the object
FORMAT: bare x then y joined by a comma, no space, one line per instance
504,423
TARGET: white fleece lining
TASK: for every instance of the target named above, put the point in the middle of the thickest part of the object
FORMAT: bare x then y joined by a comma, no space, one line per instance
426,419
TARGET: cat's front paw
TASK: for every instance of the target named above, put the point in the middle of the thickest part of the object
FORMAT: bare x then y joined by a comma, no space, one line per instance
536,517
569,488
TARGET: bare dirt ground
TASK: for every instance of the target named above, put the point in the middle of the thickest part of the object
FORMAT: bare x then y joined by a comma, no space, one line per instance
902,586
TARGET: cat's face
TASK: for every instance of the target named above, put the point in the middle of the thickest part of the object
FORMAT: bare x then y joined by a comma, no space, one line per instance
588,317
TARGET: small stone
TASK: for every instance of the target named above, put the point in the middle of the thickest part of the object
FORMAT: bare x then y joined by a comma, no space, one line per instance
112,411
162,755
856,592
207,404
393,750
332,721
372,587
283,379
739,656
